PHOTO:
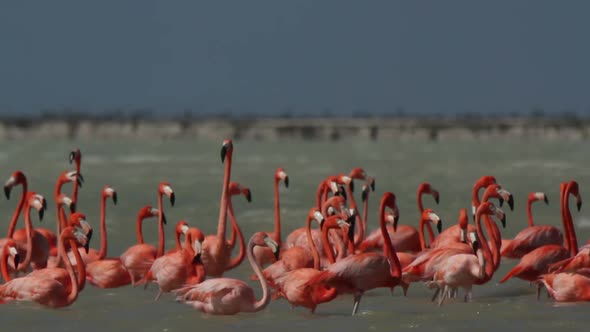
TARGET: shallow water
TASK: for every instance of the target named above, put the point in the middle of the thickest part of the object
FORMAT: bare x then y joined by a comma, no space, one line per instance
134,169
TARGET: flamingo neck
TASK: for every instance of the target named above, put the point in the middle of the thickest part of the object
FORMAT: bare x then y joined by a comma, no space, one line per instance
76,181
4,264
475,197
103,228
19,209
178,246
161,241
29,233
328,224
567,242
263,302
79,261
80,266
138,232
570,223
234,262
314,249
61,218
421,209
529,212
318,196
224,197
423,223
277,233
364,222
388,249
493,231
489,268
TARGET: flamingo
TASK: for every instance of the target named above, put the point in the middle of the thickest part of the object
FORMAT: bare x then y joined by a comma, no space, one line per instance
465,269
216,251
405,237
76,157
533,236
365,271
567,286
358,173
537,262
236,189
36,244
294,236
181,228
264,255
94,255
176,269
48,292
8,250
137,259
225,296
298,257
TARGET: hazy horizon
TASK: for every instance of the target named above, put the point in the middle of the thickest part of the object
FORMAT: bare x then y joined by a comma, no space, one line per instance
302,57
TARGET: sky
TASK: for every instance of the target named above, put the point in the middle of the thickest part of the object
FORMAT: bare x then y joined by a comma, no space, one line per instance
305,56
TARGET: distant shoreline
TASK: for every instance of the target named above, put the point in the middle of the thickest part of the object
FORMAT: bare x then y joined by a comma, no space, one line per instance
405,128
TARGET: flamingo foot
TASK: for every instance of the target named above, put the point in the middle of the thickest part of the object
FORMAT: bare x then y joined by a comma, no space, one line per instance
357,301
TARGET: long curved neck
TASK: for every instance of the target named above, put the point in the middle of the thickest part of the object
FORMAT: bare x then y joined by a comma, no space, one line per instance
18,211
423,223
103,228
4,264
61,217
570,223
421,209
76,182
81,270
529,212
388,250
494,233
29,232
277,232
224,198
563,217
489,268
235,261
475,202
138,232
318,196
79,261
325,242
365,218
161,241
263,302
314,250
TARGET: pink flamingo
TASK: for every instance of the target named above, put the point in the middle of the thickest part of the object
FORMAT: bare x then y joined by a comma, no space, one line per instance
138,259
176,269
358,173
538,261
567,287
48,292
76,156
533,236
236,189
225,296
264,255
297,234
216,252
181,228
361,272
9,249
405,237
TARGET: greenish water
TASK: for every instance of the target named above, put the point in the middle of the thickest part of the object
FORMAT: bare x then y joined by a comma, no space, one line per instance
134,169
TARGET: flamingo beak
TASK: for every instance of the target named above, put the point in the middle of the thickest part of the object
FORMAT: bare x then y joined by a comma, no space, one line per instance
72,207
87,246
115,198
341,192
172,198
197,258
372,181
436,197
511,202
351,186
164,218
439,226
350,234
223,153
16,261
286,180
475,245
249,196
41,214
546,199
88,237
579,204
7,190
395,220
72,157
365,194
274,247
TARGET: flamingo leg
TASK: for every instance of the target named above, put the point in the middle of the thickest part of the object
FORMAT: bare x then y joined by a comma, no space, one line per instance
443,295
436,292
357,301
158,295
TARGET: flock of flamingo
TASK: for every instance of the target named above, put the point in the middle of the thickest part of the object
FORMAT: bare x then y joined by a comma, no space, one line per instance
310,267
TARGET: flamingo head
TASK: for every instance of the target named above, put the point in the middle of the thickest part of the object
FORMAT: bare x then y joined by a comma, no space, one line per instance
78,220
63,199
165,189
496,191
574,189
195,238
226,148
488,208
263,240
388,200
482,182
538,196
74,234
430,216
149,212
281,175
237,189
75,156
10,249
37,202
463,223
182,227
315,214
427,188
108,191
15,178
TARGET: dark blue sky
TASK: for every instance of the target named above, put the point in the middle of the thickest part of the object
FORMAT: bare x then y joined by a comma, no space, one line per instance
265,56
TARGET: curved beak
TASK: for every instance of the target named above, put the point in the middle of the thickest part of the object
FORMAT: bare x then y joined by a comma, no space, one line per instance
579,205
475,245
197,258
164,218
115,198
436,197
72,207
365,193
16,261
223,153
439,226
286,180
87,246
351,186
249,197
341,192
41,214
72,157
372,182
350,234
7,190
172,198
546,199
395,220
511,202
88,237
